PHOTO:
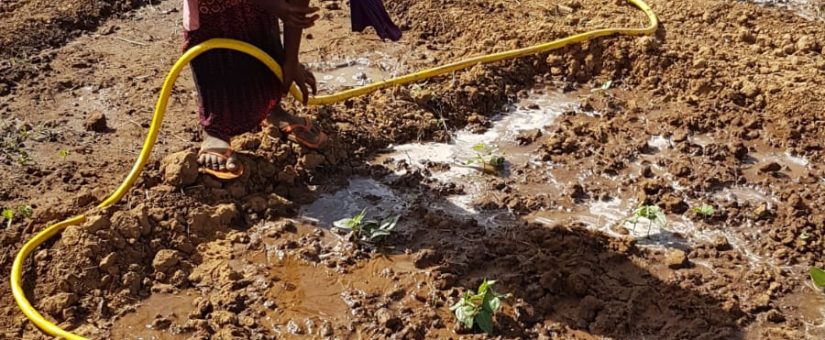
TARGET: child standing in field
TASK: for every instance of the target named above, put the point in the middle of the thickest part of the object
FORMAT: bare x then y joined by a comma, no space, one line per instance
236,91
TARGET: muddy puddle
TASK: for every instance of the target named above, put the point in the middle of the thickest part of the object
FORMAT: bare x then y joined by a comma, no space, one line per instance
361,193
152,318
344,74
308,298
311,297
786,165
302,299
811,306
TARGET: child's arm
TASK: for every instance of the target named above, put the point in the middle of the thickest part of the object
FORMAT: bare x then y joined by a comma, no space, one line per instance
293,71
292,13
296,15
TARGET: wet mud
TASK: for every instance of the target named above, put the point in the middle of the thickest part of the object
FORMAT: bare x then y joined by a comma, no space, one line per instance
730,118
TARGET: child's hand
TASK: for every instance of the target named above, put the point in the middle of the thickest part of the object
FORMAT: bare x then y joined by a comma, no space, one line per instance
298,74
295,15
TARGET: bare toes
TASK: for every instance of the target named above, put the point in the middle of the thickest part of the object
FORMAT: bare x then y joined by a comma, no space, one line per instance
214,163
232,164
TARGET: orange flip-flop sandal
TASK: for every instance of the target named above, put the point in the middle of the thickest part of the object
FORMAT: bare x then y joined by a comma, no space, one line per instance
224,175
289,130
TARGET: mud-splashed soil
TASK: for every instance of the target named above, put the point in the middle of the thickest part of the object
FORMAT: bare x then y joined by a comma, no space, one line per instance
730,118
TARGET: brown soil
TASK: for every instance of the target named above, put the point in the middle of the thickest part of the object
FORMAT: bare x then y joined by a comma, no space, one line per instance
731,86
30,27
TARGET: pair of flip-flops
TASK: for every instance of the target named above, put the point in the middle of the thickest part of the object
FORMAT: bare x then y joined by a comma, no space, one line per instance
287,131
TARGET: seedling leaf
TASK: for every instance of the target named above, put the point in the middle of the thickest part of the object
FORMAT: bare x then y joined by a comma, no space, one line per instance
469,314
705,210
8,215
489,162
379,234
370,230
661,220
495,304
478,308
26,211
818,277
485,285
484,319
357,219
652,213
350,223
389,223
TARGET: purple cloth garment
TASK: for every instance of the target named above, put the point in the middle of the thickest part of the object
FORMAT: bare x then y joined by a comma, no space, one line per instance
372,13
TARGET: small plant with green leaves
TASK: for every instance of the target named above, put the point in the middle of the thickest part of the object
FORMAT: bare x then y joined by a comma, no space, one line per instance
8,216
486,158
818,277
14,150
479,308
63,153
705,211
13,138
24,211
15,134
369,231
652,213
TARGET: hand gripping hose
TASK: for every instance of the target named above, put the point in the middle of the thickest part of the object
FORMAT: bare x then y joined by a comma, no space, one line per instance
166,90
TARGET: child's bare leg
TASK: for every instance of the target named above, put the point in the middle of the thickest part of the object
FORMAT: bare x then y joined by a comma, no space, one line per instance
216,147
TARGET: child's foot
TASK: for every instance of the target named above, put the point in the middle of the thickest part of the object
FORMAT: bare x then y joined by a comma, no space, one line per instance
299,130
216,154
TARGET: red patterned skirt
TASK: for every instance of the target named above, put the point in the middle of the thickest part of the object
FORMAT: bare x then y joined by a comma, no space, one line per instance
236,91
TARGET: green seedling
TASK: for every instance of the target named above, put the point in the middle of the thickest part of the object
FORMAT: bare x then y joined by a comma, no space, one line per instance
12,143
13,149
8,215
63,153
479,308
705,211
653,214
15,134
818,277
370,231
24,211
489,162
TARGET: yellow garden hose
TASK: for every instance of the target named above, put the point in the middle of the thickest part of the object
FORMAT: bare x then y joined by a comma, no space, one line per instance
163,98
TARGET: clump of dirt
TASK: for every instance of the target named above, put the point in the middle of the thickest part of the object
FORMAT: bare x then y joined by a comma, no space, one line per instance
96,123
98,268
